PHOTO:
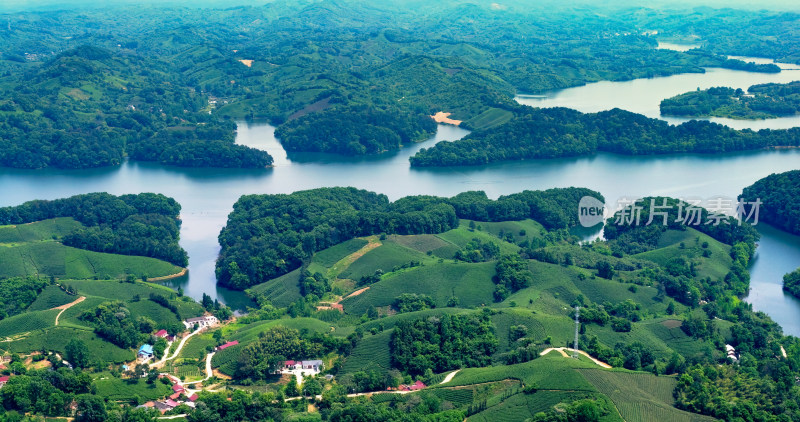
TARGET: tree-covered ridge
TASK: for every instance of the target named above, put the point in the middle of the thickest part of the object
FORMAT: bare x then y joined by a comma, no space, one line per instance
144,224
442,344
791,282
91,107
763,101
763,33
779,194
562,132
17,293
270,235
355,130
79,98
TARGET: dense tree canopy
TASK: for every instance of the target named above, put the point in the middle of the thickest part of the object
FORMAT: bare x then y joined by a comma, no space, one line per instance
562,132
443,343
355,130
779,194
270,235
145,224
791,282
67,115
764,101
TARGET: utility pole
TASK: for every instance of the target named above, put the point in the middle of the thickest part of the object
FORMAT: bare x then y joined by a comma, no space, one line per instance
577,331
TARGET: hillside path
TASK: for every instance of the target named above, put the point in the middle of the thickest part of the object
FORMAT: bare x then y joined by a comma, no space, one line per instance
67,306
209,372
449,377
177,351
564,350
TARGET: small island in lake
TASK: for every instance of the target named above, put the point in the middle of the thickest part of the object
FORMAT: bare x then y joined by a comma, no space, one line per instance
765,101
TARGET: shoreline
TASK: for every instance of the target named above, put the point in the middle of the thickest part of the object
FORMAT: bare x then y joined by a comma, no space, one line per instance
169,277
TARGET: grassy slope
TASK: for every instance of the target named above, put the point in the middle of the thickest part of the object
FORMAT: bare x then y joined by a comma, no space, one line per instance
35,330
640,397
472,284
118,389
49,298
33,249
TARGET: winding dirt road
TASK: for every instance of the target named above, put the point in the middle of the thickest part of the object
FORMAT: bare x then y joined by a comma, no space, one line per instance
67,306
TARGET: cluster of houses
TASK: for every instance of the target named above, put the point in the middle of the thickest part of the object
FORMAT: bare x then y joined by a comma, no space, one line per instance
146,351
312,366
204,321
178,397
731,352
419,385
302,368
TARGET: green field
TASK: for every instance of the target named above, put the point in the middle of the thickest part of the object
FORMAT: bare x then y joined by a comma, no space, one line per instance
549,372
226,360
640,397
371,353
716,266
26,322
539,326
52,258
426,243
490,118
384,258
51,297
281,291
462,236
327,258
38,231
522,406
33,249
112,388
471,283
531,229
56,339
35,330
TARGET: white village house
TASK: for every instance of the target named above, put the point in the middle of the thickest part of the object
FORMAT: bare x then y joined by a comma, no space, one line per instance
204,321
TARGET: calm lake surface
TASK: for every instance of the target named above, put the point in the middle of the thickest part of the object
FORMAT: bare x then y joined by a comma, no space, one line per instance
207,195
644,95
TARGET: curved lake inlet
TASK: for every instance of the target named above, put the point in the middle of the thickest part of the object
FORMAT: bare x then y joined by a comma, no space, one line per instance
207,195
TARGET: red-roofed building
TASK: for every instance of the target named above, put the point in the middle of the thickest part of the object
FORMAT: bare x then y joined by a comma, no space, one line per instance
193,397
290,364
178,388
228,344
419,385
175,396
172,403
162,333
4,380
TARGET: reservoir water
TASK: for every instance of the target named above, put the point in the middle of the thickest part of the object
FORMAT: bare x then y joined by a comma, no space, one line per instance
207,195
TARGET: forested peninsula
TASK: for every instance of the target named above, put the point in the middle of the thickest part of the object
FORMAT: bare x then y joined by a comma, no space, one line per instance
270,235
80,98
779,194
765,101
144,224
91,107
561,132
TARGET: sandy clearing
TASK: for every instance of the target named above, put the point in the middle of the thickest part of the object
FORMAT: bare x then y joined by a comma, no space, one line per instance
564,350
449,377
171,276
358,292
248,63
442,117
